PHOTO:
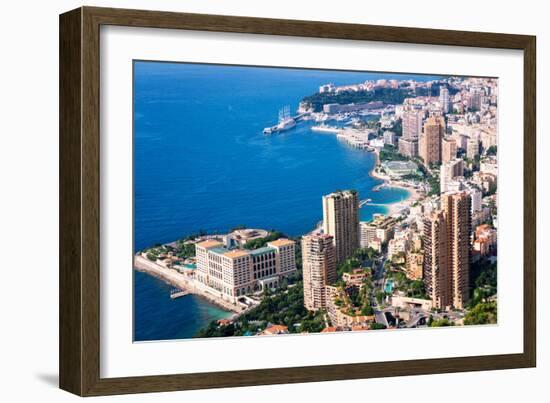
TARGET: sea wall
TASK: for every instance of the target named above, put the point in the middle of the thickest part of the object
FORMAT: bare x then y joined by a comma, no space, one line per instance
185,283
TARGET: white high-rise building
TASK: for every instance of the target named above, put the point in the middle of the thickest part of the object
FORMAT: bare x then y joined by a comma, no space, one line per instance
444,99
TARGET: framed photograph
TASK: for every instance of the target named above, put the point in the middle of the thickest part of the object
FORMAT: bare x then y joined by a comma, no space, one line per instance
250,201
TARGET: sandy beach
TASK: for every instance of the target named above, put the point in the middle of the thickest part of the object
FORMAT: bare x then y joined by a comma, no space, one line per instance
414,194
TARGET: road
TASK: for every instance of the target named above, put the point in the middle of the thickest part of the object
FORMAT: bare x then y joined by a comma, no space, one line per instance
379,279
418,317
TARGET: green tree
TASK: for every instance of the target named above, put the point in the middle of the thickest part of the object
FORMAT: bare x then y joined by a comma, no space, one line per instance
367,310
377,326
440,322
261,242
482,314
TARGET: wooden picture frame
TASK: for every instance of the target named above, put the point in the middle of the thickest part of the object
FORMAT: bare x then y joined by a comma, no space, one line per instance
80,199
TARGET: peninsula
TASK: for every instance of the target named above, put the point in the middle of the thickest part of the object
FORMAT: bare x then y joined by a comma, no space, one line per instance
430,260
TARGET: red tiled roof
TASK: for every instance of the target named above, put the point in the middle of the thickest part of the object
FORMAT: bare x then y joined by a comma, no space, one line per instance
276,329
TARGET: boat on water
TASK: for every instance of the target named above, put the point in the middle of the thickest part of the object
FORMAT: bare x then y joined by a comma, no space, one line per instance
286,122
320,117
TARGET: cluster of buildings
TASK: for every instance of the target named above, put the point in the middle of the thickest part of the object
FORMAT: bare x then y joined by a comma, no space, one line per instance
439,237
376,233
452,135
434,129
404,241
323,250
363,106
369,85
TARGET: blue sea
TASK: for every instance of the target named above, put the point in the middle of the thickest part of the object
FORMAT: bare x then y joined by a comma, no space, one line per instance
201,162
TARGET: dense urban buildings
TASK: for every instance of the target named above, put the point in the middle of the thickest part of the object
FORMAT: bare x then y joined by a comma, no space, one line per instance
341,220
428,259
379,230
319,268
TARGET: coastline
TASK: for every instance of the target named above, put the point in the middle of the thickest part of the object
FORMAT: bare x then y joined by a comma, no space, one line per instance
184,283
413,194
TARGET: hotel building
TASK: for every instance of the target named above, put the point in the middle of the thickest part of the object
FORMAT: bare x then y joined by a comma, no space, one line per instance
341,220
319,269
233,273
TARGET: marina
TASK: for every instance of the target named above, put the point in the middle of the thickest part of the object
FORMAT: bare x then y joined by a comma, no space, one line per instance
209,193
286,121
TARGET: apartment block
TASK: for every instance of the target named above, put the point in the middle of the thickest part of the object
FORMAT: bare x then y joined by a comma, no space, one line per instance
319,269
341,221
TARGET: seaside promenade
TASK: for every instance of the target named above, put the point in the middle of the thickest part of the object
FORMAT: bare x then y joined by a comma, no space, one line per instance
184,283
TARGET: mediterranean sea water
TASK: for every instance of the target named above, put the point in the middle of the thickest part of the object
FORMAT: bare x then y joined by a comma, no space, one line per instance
201,162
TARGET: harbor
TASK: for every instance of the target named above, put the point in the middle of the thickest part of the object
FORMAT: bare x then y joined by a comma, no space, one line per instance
285,164
286,121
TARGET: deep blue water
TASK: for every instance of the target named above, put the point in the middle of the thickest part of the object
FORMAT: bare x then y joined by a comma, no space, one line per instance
158,317
201,162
